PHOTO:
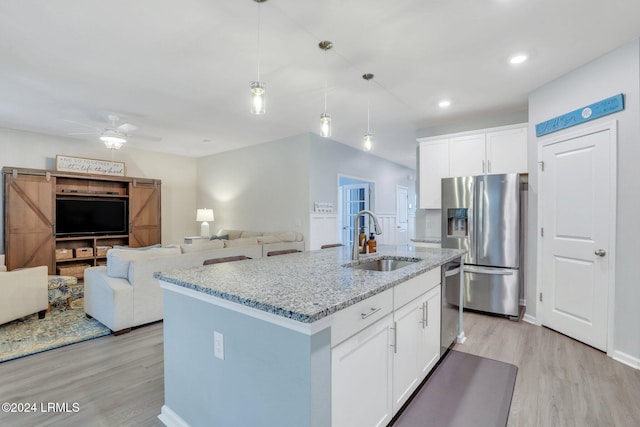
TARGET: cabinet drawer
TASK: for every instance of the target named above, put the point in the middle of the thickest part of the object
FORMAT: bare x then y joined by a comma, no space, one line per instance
356,317
413,288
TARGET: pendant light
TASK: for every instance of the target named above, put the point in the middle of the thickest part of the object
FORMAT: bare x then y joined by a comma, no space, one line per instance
257,87
325,119
367,142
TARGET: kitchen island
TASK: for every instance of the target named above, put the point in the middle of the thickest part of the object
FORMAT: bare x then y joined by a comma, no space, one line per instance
269,342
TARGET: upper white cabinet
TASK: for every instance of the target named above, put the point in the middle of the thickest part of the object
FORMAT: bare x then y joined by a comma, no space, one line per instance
486,151
507,151
467,155
434,165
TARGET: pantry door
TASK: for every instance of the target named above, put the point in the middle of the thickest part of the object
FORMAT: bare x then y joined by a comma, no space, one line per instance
577,219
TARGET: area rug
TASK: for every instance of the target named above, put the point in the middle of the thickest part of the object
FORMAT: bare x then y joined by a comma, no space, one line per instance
61,326
464,390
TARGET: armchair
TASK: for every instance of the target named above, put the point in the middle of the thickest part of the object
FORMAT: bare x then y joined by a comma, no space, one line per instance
23,292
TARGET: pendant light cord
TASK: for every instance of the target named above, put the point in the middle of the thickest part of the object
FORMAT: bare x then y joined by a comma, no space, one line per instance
368,105
326,72
259,41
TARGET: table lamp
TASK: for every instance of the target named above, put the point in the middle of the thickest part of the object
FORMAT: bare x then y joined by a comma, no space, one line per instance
204,215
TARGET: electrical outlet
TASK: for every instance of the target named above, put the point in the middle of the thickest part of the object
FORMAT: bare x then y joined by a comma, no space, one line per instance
218,345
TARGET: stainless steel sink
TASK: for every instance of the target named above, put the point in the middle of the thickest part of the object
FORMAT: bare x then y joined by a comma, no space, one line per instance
385,264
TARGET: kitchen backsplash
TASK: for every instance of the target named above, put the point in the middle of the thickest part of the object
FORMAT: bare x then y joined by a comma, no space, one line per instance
428,223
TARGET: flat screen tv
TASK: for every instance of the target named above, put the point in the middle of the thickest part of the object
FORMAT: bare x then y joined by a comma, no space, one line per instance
95,216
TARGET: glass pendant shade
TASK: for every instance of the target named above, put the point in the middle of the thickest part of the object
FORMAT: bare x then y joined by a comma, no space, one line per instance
325,125
367,143
257,98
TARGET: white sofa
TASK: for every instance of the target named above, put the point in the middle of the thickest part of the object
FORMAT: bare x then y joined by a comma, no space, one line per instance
23,292
2,266
269,241
125,294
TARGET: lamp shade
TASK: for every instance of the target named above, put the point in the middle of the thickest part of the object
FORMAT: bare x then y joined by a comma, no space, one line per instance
204,215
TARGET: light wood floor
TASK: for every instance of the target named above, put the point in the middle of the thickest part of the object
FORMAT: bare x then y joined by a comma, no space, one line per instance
118,381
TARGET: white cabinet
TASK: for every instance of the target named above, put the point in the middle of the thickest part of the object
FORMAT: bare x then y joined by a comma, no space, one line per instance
361,369
433,166
507,151
498,151
382,349
416,332
485,151
468,155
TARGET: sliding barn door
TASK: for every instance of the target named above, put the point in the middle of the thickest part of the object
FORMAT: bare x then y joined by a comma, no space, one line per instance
144,214
29,204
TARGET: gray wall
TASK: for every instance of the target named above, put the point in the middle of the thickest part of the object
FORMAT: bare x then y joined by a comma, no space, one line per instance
483,121
330,159
38,151
260,188
616,72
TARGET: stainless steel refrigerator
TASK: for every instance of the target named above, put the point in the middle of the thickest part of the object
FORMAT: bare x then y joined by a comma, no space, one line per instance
483,214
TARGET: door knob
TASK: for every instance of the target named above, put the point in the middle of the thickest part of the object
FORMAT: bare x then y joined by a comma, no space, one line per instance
600,252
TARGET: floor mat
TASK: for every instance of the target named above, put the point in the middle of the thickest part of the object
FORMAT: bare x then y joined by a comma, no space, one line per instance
464,390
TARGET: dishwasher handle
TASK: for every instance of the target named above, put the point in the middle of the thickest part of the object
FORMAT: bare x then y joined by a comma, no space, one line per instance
452,271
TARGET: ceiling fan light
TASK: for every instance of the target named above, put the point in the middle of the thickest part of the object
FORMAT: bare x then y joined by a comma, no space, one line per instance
257,98
325,125
113,145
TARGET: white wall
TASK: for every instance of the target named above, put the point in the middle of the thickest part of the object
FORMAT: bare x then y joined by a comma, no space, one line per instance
178,174
614,73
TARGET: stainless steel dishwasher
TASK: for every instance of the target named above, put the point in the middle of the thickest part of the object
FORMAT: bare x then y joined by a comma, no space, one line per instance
449,315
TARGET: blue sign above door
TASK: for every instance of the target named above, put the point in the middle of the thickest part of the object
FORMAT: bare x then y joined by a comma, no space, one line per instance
581,115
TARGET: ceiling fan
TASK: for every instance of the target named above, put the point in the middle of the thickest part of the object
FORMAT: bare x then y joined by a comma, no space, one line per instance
113,136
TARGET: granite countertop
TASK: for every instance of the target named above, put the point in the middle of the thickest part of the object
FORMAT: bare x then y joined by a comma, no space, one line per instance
428,240
305,286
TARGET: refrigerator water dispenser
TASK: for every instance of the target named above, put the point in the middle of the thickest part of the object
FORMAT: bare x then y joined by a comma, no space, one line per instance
457,222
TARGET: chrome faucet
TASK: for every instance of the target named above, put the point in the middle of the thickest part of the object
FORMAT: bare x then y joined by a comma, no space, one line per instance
355,253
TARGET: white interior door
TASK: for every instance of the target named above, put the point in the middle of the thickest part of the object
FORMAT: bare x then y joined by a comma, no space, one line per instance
355,197
402,216
577,210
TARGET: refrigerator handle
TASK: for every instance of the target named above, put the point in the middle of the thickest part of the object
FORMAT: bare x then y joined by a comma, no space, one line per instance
471,224
496,271
481,203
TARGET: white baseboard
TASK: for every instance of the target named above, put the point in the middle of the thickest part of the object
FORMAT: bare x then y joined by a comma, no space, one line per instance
170,418
625,358
530,319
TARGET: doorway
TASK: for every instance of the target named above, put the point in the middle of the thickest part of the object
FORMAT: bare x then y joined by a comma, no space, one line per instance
355,194
576,213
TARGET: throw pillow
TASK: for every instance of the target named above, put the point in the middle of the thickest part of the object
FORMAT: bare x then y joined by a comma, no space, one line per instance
265,240
247,241
250,234
223,237
233,234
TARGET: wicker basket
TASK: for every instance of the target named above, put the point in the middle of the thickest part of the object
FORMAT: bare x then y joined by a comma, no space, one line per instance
102,250
75,270
64,254
84,252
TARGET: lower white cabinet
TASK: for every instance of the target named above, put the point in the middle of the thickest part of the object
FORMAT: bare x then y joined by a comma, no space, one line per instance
361,378
376,370
416,345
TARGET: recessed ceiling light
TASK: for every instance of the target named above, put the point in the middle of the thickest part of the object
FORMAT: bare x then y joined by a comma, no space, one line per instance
518,59
444,103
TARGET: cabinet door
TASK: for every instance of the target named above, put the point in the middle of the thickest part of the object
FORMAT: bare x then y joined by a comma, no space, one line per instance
144,214
29,221
434,165
429,334
407,328
361,378
468,155
507,151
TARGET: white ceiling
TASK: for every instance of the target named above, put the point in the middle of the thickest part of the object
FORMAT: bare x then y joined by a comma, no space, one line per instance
180,70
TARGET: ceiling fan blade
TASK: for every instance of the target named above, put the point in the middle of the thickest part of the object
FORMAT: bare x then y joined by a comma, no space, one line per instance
83,124
126,128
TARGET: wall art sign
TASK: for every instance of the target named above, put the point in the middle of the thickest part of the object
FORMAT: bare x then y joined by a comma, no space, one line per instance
89,166
581,115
